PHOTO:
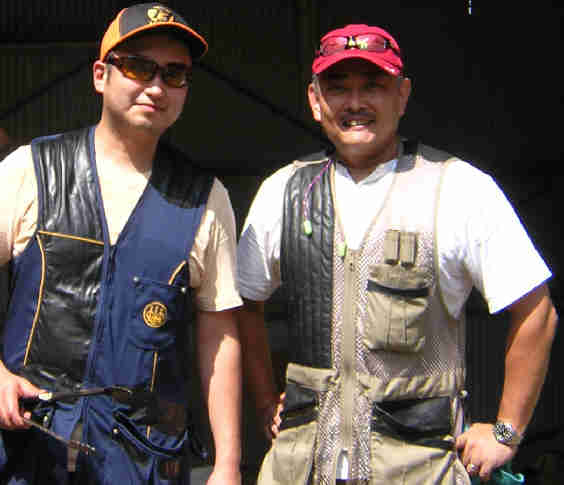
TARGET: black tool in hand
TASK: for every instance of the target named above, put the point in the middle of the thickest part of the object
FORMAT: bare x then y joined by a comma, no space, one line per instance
117,392
76,445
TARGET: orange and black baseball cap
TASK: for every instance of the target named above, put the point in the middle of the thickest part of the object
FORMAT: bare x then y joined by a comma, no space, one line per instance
143,17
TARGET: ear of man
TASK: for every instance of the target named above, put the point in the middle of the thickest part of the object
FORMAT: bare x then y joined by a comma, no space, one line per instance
313,98
100,74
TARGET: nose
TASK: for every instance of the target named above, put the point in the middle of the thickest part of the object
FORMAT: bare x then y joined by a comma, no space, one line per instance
157,86
355,100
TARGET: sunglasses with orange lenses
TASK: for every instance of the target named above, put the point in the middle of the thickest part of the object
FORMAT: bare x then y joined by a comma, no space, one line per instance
175,75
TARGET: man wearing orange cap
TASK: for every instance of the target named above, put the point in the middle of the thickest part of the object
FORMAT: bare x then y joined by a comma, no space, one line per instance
377,244
114,241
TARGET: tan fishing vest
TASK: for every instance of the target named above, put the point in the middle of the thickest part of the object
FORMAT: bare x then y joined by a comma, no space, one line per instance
392,340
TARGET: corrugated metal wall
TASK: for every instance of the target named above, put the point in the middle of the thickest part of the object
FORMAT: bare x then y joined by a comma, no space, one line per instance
485,357
67,99
248,114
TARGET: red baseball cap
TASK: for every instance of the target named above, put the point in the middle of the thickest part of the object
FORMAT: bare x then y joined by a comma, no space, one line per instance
146,16
378,47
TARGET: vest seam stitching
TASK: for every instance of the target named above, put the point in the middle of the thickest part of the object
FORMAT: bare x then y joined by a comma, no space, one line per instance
39,300
176,272
70,236
155,360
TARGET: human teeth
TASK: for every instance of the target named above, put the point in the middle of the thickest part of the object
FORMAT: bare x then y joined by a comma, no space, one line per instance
355,123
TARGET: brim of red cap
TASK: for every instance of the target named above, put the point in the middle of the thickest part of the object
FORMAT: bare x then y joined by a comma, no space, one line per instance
388,61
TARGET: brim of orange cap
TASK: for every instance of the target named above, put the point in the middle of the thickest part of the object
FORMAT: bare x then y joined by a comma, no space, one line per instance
388,61
197,44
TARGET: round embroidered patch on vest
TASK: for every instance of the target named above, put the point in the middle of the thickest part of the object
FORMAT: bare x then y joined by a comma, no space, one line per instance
154,314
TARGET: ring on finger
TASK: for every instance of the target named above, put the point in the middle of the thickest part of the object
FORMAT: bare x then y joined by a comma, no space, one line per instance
472,468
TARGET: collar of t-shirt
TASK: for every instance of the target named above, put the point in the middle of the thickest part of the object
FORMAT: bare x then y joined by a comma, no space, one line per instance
358,202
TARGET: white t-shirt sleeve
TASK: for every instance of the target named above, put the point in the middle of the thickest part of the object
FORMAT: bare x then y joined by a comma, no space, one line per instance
258,252
212,260
482,243
18,202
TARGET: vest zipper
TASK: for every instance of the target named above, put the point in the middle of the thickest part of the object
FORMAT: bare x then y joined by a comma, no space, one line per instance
348,387
106,282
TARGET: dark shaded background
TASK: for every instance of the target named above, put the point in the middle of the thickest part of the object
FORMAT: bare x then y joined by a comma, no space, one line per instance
486,87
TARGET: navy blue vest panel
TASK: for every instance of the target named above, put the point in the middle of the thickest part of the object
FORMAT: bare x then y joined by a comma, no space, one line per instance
25,281
85,313
306,265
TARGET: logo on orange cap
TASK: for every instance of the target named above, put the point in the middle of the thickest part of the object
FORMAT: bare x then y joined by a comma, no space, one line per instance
160,14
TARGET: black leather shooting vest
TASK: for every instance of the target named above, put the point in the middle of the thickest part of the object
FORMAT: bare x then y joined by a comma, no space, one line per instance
306,264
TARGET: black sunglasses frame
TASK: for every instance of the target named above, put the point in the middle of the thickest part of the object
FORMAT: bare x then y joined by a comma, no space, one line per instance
164,71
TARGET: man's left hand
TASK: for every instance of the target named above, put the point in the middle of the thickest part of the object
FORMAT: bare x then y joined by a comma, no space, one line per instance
481,453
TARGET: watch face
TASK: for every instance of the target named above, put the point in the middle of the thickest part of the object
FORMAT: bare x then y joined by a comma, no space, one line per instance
505,433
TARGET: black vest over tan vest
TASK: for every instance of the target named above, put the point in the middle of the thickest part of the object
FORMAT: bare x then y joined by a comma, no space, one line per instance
368,326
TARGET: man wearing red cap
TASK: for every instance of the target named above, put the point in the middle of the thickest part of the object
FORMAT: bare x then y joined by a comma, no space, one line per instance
114,241
377,244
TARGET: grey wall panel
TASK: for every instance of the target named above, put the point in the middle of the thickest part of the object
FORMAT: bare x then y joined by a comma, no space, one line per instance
479,91
52,20
485,356
259,47
66,104
234,133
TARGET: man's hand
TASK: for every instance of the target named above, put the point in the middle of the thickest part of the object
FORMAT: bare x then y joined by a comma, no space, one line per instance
480,452
269,416
533,322
12,389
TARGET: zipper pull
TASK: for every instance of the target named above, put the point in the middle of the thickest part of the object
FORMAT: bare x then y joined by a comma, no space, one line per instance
342,249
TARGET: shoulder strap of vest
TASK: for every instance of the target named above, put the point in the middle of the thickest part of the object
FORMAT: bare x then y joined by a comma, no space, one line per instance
304,257
178,180
63,168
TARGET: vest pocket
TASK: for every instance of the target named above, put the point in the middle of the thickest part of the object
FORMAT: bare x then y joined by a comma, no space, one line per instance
144,458
397,462
289,461
157,308
299,406
397,299
291,455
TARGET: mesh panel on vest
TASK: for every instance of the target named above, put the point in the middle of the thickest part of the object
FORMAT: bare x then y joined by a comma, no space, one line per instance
410,206
330,405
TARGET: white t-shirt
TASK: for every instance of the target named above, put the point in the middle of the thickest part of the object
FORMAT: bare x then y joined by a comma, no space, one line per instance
480,240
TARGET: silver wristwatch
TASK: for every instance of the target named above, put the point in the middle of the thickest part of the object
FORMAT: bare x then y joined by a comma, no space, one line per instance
506,434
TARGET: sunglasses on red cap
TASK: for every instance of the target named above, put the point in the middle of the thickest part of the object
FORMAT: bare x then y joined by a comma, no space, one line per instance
174,74
367,42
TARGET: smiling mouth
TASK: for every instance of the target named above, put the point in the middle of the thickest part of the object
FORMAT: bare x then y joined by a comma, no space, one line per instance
355,123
